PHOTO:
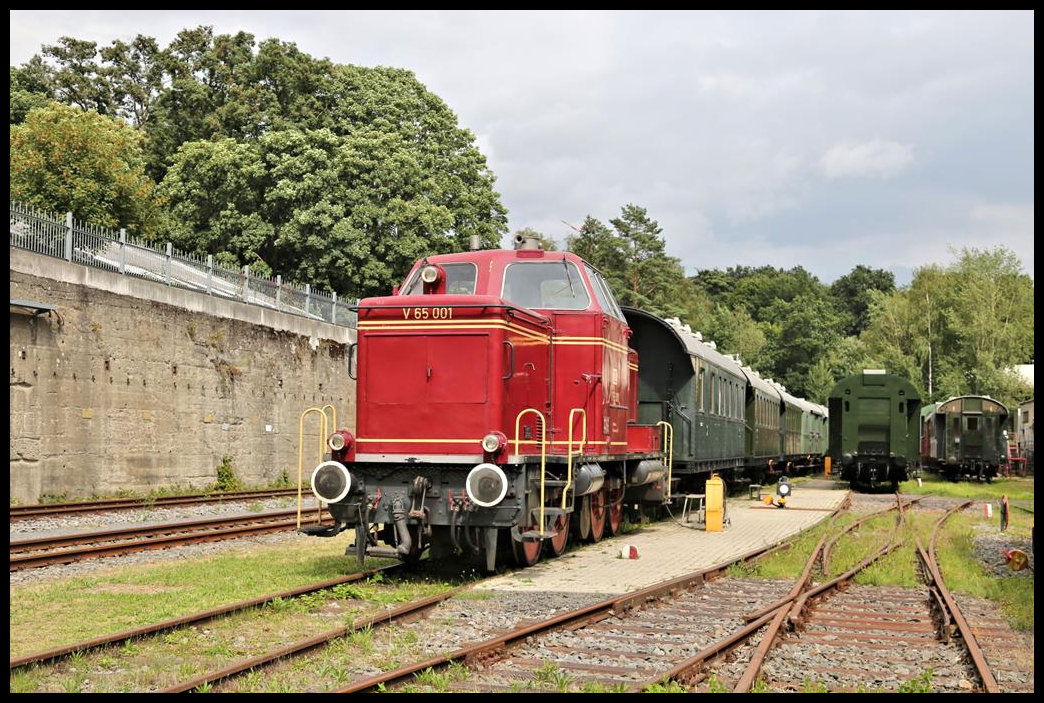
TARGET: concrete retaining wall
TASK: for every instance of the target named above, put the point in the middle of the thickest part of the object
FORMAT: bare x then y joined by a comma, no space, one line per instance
133,385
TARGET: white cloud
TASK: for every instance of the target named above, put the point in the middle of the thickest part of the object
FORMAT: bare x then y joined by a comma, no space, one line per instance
872,158
1012,219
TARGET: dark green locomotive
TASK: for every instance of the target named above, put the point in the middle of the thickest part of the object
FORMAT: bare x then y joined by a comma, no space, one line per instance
874,418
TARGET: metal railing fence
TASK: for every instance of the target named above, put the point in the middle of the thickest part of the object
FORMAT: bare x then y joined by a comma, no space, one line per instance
65,238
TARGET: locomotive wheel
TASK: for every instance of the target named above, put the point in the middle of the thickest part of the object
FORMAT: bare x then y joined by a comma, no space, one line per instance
526,553
614,511
598,513
557,544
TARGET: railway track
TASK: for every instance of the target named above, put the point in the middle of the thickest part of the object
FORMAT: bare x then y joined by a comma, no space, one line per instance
701,632
65,549
27,512
575,618
644,642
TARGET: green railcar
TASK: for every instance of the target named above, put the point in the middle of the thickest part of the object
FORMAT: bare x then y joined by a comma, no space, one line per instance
874,419
964,437
697,389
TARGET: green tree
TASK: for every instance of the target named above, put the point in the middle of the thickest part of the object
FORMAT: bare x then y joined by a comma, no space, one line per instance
65,159
651,276
803,331
851,294
736,332
634,259
31,86
351,213
598,245
958,329
78,79
282,157
136,72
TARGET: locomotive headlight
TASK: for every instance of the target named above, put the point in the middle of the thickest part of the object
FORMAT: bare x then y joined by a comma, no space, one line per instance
337,441
493,442
331,481
430,274
486,485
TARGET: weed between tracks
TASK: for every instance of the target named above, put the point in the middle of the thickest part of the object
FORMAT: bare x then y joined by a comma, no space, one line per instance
110,600
156,662
963,571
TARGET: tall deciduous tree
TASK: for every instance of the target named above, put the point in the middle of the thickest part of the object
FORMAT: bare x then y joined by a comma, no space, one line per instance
348,212
851,293
65,159
31,86
959,329
340,175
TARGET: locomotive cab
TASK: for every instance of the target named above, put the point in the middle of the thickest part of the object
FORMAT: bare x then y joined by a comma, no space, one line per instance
493,399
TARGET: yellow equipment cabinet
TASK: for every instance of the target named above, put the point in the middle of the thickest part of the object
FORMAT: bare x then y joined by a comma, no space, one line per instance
715,492
826,465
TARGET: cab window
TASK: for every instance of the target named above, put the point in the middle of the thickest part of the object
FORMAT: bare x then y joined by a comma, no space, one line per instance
550,285
460,280
603,294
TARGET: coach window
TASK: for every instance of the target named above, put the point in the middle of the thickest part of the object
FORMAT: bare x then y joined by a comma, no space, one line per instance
549,285
460,279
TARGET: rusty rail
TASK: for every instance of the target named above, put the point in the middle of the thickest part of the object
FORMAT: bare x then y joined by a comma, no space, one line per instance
25,512
989,682
37,552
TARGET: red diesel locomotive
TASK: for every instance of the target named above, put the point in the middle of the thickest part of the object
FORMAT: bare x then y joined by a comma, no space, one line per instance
496,413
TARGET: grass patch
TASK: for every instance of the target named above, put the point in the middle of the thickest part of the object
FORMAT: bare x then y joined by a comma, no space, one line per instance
69,610
787,564
156,662
963,571
1015,488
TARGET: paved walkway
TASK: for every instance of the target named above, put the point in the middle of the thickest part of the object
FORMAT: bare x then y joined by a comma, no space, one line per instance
669,549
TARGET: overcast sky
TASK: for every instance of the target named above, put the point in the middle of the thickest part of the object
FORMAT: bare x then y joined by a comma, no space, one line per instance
825,139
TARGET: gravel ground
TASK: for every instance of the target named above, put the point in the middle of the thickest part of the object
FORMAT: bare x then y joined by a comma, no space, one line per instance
990,546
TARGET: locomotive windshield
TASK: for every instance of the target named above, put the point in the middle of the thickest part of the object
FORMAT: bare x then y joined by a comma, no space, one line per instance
460,280
551,285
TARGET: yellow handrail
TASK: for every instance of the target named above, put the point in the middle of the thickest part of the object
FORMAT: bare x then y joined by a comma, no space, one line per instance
569,452
300,451
543,455
333,417
667,444
330,429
